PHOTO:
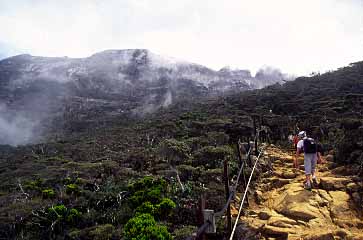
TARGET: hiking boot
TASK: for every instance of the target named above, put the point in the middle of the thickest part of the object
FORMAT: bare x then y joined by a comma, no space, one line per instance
315,183
307,185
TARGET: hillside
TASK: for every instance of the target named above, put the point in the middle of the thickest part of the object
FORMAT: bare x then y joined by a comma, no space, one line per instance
93,182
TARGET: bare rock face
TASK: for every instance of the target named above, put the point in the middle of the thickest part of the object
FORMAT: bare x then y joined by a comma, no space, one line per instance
289,211
298,204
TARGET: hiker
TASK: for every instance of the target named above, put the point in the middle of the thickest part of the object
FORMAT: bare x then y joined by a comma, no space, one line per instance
311,156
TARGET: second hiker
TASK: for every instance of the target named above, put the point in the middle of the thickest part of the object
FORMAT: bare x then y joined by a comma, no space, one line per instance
311,155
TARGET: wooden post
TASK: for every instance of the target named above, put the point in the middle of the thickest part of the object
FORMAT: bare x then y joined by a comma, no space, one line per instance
249,157
201,214
208,215
226,185
255,131
243,172
239,153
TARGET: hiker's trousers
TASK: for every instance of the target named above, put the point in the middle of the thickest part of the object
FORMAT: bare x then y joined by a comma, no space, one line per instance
310,160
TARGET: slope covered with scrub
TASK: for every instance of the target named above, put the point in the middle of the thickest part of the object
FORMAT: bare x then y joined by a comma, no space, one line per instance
92,182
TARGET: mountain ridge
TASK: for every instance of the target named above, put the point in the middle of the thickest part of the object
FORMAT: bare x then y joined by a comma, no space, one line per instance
107,84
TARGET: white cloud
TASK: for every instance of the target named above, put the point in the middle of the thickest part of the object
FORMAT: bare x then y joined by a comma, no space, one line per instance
296,36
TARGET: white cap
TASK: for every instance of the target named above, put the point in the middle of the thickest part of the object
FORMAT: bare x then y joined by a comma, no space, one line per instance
302,134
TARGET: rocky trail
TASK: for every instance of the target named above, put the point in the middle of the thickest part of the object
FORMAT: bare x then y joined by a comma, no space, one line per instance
281,208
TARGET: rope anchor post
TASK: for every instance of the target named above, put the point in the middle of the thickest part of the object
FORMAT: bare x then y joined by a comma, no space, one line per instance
209,217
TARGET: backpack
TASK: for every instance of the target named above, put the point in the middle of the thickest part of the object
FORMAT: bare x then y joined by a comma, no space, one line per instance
310,146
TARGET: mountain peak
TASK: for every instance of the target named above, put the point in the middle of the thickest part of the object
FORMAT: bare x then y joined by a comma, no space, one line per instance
242,73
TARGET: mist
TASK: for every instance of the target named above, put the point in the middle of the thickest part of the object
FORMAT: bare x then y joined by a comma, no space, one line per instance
15,127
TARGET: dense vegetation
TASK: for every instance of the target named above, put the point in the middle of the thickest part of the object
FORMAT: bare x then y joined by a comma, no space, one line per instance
141,178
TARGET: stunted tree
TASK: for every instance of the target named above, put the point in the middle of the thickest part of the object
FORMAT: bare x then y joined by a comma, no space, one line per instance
174,151
212,157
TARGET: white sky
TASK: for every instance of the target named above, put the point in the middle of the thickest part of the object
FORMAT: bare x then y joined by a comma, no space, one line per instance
297,36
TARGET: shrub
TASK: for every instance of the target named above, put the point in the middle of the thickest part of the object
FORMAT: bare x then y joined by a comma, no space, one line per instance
146,207
174,151
145,227
212,157
81,181
184,232
165,208
147,189
100,232
187,172
217,138
67,180
73,216
34,185
72,188
57,212
48,193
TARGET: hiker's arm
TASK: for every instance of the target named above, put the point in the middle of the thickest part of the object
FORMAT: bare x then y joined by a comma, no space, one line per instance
296,165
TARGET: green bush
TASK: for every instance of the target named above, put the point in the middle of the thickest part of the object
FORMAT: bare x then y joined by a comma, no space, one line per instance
48,193
34,185
67,180
187,172
161,210
147,189
147,182
165,208
174,151
57,212
184,232
212,157
99,232
102,232
217,138
81,181
73,216
146,207
72,188
62,213
144,227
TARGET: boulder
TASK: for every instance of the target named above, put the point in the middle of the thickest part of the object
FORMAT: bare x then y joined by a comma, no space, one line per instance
340,203
280,233
265,214
332,183
353,187
349,223
243,231
356,197
297,203
345,170
259,196
281,221
325,195
320,235
341,212
289,174
342,233
303,212
323,169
